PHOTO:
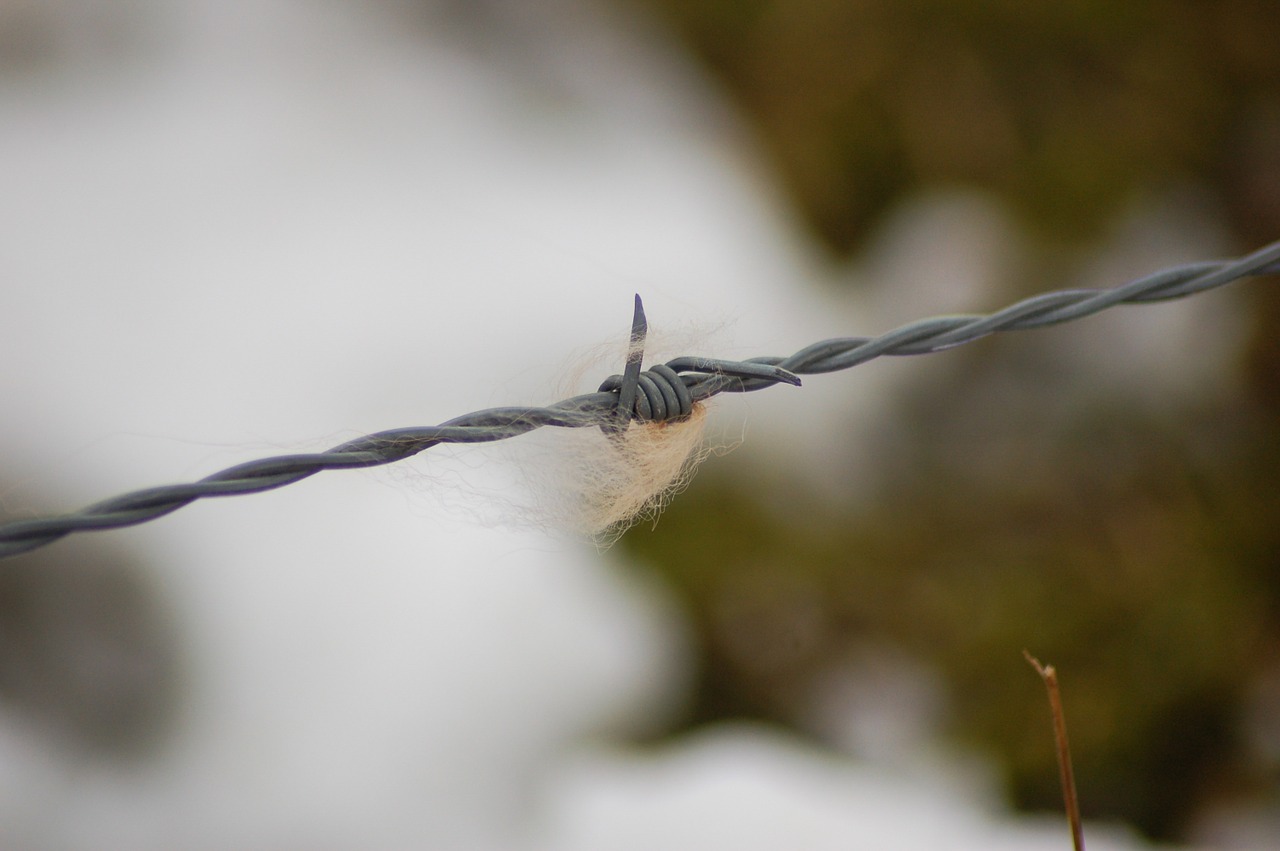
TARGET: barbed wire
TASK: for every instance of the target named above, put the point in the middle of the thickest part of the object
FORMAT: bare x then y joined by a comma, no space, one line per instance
663,392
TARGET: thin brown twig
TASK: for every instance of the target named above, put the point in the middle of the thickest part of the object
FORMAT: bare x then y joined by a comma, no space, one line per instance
1066,775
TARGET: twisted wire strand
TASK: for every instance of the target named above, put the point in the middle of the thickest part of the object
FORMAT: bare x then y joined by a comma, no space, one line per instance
664,391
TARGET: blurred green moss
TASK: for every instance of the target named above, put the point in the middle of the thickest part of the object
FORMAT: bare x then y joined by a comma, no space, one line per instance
1147,577
1138,553
1065,109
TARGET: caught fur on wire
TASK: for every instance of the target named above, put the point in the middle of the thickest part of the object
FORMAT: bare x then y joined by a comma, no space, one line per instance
599,483
596,486
703,377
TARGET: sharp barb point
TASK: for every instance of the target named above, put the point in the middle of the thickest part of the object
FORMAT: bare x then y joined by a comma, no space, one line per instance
631,374
786,376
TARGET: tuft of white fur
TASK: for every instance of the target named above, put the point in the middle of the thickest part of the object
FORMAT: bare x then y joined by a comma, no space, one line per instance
612,483
578,481
597,486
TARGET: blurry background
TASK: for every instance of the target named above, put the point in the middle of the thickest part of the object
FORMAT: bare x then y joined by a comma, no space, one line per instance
236,229
1022,498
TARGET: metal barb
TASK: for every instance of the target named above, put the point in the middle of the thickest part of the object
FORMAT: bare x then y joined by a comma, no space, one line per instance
665,392
631,374
736,369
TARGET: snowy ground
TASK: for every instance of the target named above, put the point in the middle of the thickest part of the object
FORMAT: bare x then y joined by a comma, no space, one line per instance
233,229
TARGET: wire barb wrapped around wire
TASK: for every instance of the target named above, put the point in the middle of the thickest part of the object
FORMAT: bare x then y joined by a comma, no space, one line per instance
665,391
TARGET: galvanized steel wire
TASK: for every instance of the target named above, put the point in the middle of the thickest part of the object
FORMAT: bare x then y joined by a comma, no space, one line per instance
665,391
